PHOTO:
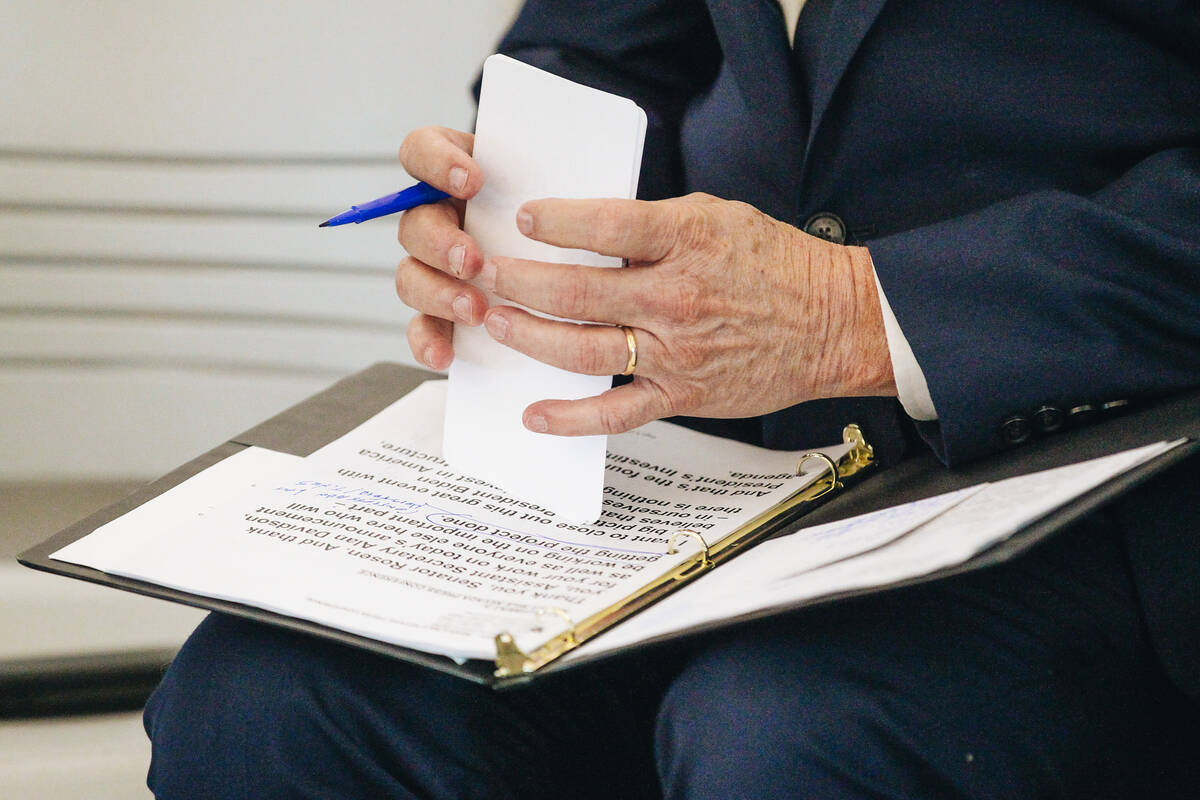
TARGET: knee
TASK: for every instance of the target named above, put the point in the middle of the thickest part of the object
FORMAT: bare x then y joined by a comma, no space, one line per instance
250,710
238,708
735,728
842,707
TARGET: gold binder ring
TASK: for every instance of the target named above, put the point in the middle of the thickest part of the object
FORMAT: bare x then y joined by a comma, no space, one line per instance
686,533
631,346
829,464
861,454
563,615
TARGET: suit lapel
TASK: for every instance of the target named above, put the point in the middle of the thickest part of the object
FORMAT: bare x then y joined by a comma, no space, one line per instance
845,28
758,55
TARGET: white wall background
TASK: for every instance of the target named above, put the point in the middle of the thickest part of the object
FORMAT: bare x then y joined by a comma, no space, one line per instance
163,284
163,167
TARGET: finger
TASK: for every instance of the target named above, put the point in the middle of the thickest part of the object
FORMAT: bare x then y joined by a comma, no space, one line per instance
431,341
586,349
432,235
432,292
633,229
571,291
442,157
617,410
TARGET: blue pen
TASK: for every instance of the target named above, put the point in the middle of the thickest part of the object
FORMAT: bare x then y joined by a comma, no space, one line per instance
417,195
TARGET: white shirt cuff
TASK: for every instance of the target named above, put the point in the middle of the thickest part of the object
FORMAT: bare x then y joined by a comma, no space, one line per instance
910,379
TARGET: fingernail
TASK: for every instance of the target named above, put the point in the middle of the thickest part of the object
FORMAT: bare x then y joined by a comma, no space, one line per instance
497,326
536,423
487,275
462,308
458,254
458,179
428,356
525,223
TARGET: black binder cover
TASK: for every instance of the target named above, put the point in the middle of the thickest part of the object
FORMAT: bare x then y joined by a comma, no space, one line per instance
327,415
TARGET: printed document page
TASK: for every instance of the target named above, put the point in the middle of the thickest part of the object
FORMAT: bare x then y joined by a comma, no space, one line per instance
375,534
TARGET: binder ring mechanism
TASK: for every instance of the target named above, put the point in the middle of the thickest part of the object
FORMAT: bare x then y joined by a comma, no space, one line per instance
833,484
512,660
679,536
861,454
563,615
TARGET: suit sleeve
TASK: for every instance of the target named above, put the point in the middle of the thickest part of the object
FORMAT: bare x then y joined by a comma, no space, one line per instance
1052,300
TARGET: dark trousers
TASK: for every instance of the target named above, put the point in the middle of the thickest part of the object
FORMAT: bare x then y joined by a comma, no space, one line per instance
1029,680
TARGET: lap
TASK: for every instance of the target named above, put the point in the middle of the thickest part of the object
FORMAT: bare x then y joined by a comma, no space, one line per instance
248,710
1030,679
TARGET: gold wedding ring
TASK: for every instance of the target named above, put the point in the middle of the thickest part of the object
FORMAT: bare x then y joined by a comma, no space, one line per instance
631,344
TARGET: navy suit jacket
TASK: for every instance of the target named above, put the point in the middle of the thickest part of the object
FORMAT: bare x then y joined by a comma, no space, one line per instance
1026,176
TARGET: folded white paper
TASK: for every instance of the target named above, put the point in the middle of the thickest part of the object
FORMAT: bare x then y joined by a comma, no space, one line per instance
537,135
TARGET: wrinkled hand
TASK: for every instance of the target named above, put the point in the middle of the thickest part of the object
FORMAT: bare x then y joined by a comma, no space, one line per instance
735,313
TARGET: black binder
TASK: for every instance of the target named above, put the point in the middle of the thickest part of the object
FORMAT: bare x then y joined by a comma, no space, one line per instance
327,415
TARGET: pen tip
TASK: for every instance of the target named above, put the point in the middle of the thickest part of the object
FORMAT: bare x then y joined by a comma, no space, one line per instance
324,224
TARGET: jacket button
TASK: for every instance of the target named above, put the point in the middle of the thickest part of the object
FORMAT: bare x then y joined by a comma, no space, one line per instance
826,225
1049,418
1016,429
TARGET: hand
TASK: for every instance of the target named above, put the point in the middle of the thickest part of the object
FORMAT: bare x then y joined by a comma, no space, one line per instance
441,258
735,313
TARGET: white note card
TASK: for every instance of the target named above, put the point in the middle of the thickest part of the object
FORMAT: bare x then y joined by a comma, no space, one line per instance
537,135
